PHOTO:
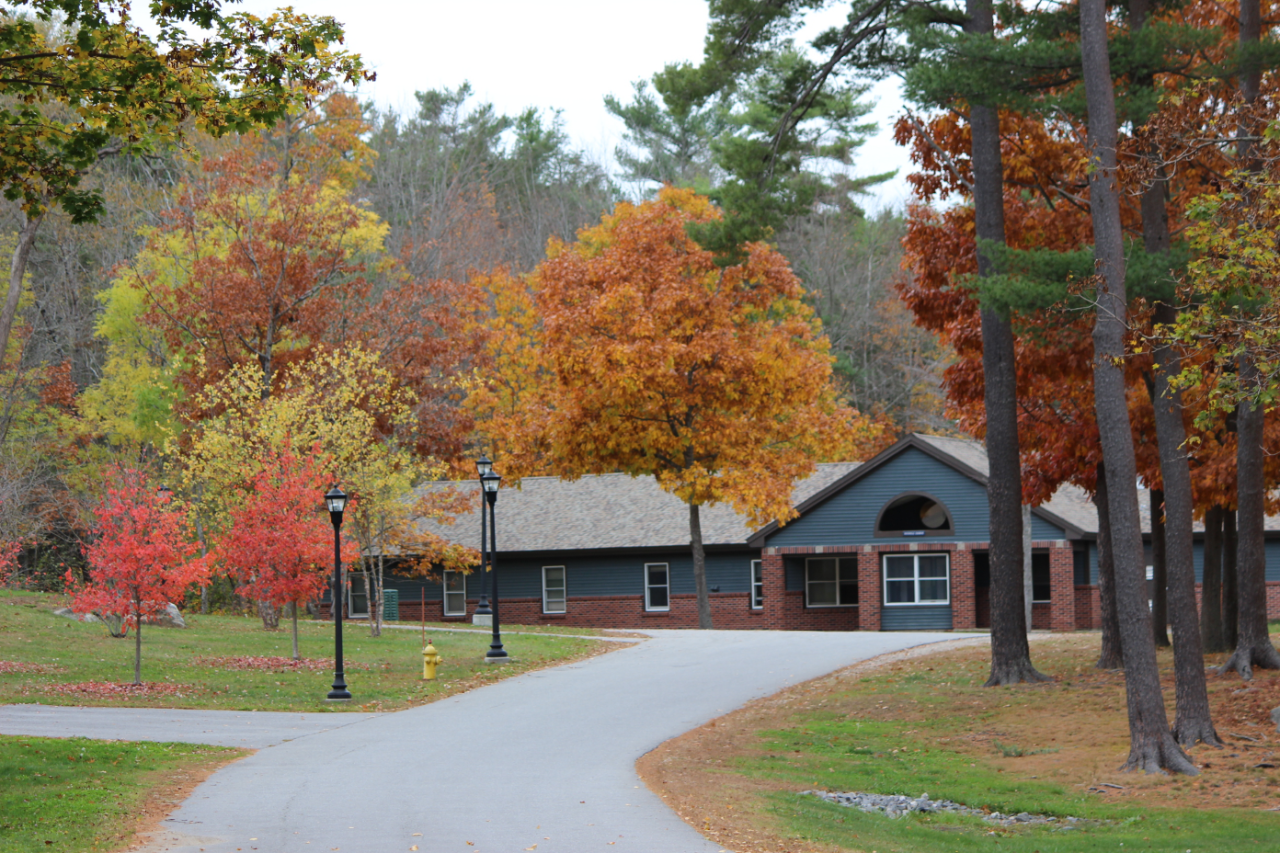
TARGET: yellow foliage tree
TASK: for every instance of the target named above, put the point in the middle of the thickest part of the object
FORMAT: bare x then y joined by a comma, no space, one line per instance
342,401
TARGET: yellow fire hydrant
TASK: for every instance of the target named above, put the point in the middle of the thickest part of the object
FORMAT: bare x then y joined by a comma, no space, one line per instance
430,660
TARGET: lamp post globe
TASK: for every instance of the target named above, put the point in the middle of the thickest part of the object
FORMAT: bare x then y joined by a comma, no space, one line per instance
336,501
489,482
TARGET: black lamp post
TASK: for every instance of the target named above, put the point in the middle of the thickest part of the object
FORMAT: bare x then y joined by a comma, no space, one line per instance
336,500
484,467
489,481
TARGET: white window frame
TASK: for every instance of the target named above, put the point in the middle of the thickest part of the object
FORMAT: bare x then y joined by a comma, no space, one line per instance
839,581
649,587
915,590
445,593
549,603
757,584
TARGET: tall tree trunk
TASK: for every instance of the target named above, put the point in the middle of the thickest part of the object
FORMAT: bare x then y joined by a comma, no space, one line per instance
270,616
293,607
1253,644
204,552
1230,591
1152,747
1028,581
1109,657
1211,583
17,271
137,640
1010,652
699,567
1192,720
1159,572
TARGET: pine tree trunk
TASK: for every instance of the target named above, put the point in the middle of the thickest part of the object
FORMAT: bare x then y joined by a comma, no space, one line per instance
1230,590
1109,658
699,567
1152,747
1211,584
1010,652
1159,572
1253,645
1192,720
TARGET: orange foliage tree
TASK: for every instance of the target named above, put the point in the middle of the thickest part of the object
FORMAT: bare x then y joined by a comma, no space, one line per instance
656,361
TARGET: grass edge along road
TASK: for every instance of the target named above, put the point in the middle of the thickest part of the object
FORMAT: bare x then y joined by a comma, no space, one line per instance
80,794
231,663
920,722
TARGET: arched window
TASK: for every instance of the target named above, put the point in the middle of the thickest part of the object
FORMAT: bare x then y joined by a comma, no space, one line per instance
914,514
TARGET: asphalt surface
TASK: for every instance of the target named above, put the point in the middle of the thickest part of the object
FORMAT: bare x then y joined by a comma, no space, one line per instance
544,759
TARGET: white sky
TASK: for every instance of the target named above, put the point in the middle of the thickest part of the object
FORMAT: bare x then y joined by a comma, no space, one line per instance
565,54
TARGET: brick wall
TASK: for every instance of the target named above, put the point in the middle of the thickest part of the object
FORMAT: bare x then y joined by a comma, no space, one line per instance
964,593
1062,590
1088,613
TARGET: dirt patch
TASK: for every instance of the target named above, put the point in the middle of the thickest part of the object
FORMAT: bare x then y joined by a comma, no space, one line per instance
1083,747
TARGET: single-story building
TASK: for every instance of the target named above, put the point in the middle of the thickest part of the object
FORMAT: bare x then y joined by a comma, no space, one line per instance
895,543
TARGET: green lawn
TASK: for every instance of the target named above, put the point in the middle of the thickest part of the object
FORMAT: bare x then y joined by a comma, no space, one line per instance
850,755
929,726
45,658
78,794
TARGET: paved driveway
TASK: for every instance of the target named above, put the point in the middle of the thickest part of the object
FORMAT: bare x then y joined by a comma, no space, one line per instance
545,759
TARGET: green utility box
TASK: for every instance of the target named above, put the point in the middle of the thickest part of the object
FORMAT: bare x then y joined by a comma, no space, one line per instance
391,605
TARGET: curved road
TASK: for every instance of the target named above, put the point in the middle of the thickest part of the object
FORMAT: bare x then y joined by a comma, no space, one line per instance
544,759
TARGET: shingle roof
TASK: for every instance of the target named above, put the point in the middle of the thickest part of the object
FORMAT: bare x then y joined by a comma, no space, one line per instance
618,511
606,511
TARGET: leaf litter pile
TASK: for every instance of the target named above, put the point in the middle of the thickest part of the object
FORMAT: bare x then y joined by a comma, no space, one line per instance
269,663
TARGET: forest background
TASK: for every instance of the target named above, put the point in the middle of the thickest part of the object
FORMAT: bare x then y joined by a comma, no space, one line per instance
1085,280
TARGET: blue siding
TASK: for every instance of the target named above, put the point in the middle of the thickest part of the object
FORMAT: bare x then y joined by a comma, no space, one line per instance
1272,550
1041,529
793,568
594,576
849,517
924,618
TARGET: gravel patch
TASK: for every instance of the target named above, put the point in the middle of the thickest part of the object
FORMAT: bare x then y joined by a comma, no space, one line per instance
897,805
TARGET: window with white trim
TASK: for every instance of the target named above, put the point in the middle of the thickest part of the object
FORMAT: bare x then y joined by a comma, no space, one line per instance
830,581
657,586
916,579
455,594
553,587
757,584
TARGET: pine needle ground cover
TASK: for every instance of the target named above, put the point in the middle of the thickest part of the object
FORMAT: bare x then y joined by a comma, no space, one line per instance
925,724
77,794
231,663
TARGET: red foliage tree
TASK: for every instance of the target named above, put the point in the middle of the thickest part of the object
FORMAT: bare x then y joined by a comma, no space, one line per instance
279,545
140,559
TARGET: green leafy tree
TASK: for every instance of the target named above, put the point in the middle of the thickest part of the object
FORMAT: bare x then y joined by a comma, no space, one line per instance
82,81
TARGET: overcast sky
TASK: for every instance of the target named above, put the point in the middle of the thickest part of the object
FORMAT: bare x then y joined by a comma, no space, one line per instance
565,54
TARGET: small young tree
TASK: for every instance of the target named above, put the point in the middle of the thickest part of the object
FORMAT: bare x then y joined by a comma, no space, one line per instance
140,559
279,545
